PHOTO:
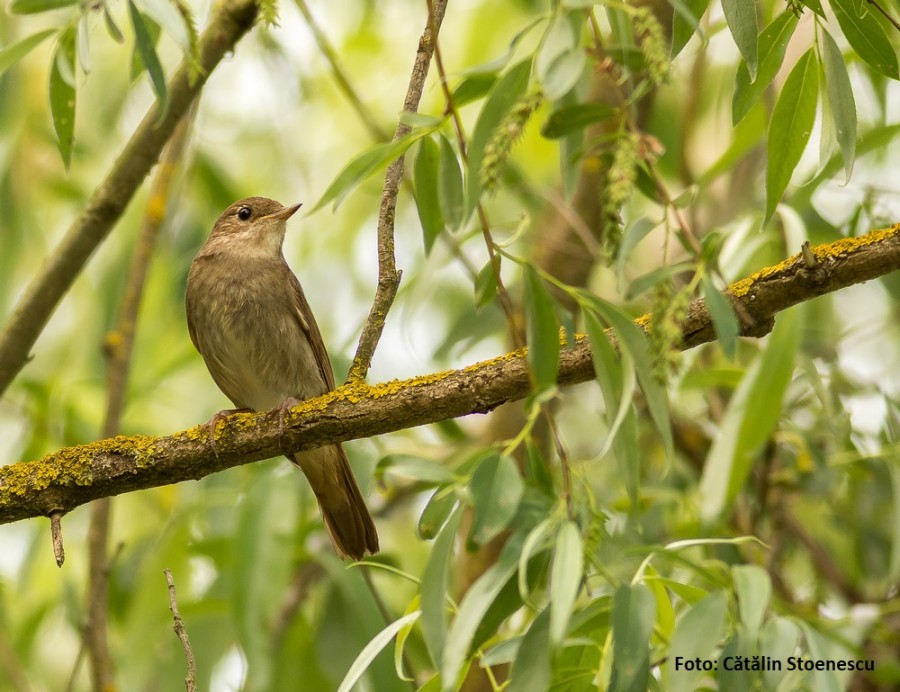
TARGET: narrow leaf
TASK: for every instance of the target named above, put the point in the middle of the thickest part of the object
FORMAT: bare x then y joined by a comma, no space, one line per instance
425,178
365,165
741,18
505,94
696,635
450,187
773,43
35,6
750,418
496,489
753,588
565,580
435,587
724,320
10,55
685,22
866,36
542,331
575,117
840,100
634,612
791,125
372,649
531,669
62,95
145,45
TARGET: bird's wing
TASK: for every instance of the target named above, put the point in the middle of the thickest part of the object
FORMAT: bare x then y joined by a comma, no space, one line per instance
307,323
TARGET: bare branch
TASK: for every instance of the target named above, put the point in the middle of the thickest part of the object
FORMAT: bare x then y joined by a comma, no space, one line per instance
75,475
231,21
190,680
388,276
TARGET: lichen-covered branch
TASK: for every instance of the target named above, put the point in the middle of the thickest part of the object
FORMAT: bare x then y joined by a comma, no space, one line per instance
388,276
230,22
73,476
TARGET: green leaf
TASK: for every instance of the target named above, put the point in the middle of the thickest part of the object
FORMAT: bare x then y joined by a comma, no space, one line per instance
750,418
741,18
145,45
450,187
496,490
778,635
365,165
435,587
753,588
425,180
475,604
724,320
634,233
35,6
111,27
372,649
773,43
866,36
167,16
435,514
82,44
685,22
542,331
505,94
473,87
791,125
565,579
633,340
486,283
634,612
655,276
10,55
413,467
697,635
62,94
531,670
840,100
575,117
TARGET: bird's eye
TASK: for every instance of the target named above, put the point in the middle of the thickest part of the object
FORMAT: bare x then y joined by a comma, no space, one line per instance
244,213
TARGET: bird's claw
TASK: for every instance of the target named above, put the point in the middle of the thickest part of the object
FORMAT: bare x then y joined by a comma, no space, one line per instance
210,425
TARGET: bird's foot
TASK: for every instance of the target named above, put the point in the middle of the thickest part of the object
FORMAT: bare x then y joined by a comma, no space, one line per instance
283,408
210,425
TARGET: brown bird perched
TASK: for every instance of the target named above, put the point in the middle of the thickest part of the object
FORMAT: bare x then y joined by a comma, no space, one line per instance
250,321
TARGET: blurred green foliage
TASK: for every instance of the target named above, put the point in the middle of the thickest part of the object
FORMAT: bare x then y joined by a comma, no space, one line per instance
738,499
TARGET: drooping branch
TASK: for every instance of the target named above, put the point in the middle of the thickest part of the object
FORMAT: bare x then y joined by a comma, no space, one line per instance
73,476
231,21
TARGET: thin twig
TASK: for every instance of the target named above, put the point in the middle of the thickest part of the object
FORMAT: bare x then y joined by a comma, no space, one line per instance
190,680
107,203
59,551
388,275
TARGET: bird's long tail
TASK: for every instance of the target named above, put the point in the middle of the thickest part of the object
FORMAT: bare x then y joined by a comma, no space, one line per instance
343,508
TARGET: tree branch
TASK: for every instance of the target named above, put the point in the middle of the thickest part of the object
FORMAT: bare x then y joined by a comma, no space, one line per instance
73,476
231,21
388,276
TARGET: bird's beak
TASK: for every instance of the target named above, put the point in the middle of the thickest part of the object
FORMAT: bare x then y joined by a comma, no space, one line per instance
283,214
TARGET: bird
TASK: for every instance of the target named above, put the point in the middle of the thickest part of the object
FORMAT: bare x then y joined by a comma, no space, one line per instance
248,317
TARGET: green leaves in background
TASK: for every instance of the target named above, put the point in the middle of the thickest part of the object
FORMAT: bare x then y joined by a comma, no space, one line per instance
560,60
697,635
685,22
741,18
750,418
10,55
542,331
62,94
435,587
866,36
147,50
575,117
773,43
790,128
450,187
